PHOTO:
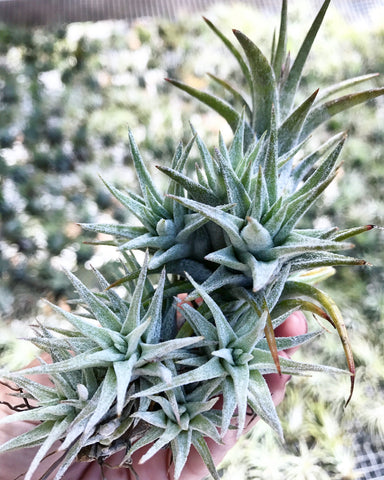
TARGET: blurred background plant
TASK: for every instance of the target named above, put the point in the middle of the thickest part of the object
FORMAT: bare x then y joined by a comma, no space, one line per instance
67,96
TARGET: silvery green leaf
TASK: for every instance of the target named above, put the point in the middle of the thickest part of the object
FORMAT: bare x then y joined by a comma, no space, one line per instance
289,131
202,424
198,407
271,159
103,314
156,418
118,305
236,192
180,446
325,111
196,191
148,241
123,371
201,446
56,433
254,153
229,403
247,341
50,412
100,335
275,290
284,343
261,271
340,235
171,431
137,209
134,337
297,244
235,52
204,391
229,223
161,257
323,259
152,334
174,188
321,173
343,85
78,424
68,459
226,256
153,352
211,369
150,436
219,278
263,86
224,331
33,437
259,194
194,361
209,168
317,233
107,397
42,393
296,209
240,377
143,175
155,370
277,219
156,206
263,362
199,323
92,358
192,223
280,52
304,167
169,406
260,400
237,96
124,231
289,87
256,236
225,354
201,178
132,320
236,150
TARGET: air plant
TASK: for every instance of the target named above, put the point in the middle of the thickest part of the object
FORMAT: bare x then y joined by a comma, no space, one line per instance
127,373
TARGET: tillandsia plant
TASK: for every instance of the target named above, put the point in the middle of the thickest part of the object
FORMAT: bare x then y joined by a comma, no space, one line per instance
128,373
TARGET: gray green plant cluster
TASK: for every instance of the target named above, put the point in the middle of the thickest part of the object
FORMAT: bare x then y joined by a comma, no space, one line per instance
128,374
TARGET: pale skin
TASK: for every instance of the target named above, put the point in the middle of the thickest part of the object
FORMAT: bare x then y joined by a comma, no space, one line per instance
13,465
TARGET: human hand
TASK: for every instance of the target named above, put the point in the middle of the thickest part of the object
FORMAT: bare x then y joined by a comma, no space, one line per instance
15,464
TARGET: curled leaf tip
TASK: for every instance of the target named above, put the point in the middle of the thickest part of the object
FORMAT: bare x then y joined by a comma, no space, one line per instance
352,388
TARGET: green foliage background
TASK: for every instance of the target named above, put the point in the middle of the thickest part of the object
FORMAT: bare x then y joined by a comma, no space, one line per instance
66,98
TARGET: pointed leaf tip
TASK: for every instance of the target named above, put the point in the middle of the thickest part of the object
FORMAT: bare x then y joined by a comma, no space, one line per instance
352,388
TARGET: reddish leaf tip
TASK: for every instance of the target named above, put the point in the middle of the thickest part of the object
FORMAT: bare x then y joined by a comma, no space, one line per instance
352,387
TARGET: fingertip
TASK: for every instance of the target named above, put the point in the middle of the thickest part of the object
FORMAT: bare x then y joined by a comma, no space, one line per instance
295,324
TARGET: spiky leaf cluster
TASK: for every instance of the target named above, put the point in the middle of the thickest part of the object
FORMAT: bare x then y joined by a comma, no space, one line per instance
256,191
120,383
128,374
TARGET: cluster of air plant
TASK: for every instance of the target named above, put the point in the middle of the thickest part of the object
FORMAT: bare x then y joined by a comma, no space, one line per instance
127,373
